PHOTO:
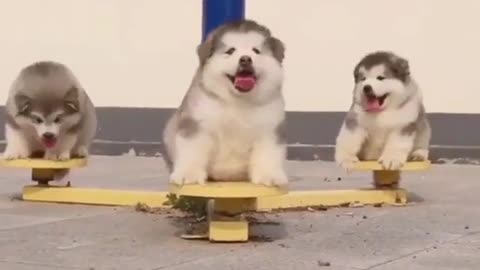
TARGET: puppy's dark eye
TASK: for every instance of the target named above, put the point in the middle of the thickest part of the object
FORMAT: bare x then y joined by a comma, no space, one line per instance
57,120
37,120
380,78
230,51
255,50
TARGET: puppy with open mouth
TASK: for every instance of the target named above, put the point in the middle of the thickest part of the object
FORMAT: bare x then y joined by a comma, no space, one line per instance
48,115
387,120
231,123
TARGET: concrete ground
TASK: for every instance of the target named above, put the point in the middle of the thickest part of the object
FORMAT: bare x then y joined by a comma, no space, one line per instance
440,230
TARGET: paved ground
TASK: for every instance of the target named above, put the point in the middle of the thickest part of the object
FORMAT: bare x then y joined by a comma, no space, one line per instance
440,231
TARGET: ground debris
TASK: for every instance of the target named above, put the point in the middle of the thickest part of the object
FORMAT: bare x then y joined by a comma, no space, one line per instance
255,219
322,263
143,207
260,238
16,197
398,204
357,205
310,208
349,214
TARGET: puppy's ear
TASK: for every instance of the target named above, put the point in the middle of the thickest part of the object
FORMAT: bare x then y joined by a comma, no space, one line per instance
205,49
23,103
71,100
356,73
277,47
401,68
404,65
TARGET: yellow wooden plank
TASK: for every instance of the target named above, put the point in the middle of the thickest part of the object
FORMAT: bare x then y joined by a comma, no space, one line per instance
94,196
44,164
332,198
227,190
159,198
409,166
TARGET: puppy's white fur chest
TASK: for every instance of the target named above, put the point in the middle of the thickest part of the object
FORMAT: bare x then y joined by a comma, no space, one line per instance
234,130
380,126
375,143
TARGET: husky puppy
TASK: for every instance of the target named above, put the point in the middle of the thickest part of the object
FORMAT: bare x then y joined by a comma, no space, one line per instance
387,120
230,125
49,115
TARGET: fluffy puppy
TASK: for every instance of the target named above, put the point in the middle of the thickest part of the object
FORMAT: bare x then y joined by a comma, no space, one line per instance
387,120
49,115
231,123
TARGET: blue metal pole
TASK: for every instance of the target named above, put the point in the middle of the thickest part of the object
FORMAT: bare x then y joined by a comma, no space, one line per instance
218,12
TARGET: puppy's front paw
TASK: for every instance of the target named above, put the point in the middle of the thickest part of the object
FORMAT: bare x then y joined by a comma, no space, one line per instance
54,156
276,177
64,156
82,152
192,176
50,156
419,155
347,162
10,154
392,161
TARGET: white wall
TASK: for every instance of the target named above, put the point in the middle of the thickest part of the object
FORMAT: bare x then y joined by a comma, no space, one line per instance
140,53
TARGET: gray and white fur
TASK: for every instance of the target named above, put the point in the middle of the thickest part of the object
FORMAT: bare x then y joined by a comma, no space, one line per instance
49,115
387,120
230,125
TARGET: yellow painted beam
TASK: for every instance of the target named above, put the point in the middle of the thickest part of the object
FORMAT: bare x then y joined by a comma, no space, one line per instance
375,166
159,198
332,198
44,163
93,196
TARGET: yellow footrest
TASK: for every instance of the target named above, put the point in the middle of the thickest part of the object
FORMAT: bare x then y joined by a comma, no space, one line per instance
44,170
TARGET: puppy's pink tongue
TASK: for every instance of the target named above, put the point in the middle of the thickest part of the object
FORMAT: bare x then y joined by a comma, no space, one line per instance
245,83
50,143
373,105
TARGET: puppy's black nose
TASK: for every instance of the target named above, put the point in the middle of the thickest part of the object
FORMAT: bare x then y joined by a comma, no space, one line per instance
48,135
245,60
368,90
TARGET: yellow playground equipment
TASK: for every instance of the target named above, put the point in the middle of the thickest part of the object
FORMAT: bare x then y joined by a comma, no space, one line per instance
43,171
229,200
